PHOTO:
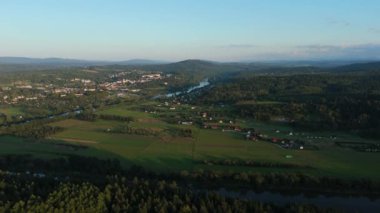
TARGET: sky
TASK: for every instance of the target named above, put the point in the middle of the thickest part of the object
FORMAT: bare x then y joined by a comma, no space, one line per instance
220,30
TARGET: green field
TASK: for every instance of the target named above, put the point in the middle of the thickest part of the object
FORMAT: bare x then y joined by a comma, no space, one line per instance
166,153
10,111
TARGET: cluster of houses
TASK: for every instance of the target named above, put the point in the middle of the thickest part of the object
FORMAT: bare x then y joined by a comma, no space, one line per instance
39,91
118,75
224,127
84,81
251,134
15,99
171,105
282,142
151,77
120,84
223,124
76,86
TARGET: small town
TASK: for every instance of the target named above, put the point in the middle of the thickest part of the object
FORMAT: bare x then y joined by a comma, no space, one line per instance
21,90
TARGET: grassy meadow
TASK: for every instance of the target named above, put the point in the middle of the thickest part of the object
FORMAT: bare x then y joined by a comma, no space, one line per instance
167,153
10,111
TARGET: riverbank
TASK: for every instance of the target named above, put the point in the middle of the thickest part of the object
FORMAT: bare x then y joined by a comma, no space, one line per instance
346,203
202,84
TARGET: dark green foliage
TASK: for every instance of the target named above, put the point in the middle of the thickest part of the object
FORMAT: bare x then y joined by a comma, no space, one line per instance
71,163
116,118
323,101
179,132
360,146
85,187
126,129
120,194
86,116
249,163
31,130
89,116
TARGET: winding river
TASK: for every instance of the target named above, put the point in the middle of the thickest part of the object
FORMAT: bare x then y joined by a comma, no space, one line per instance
348,204
203,83
47,117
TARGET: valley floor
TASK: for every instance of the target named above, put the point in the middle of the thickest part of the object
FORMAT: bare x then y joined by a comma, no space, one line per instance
166,153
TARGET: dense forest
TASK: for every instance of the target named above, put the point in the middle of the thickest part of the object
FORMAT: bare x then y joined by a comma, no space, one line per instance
138,195
319,101
84,184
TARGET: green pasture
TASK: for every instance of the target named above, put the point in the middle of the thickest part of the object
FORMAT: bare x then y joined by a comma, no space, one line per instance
123,110
10,111
281,130
165,153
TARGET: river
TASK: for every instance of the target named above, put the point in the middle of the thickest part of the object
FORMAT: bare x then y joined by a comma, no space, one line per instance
348,204
203,83
48,117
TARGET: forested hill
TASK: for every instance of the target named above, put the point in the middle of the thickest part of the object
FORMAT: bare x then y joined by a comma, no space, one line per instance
372,67
209,68
319,101
206,67
9,64
201,68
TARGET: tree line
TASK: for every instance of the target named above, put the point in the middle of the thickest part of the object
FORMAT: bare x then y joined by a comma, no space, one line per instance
88,184
137,195
320,101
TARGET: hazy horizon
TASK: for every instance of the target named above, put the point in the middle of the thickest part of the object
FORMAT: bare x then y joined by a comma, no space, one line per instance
171,30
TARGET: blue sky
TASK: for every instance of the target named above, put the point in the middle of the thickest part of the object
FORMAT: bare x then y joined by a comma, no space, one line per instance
224,30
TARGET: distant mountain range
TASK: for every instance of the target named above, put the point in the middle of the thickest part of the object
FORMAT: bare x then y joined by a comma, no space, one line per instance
266,67
195,66
78,62
370,67
72,62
